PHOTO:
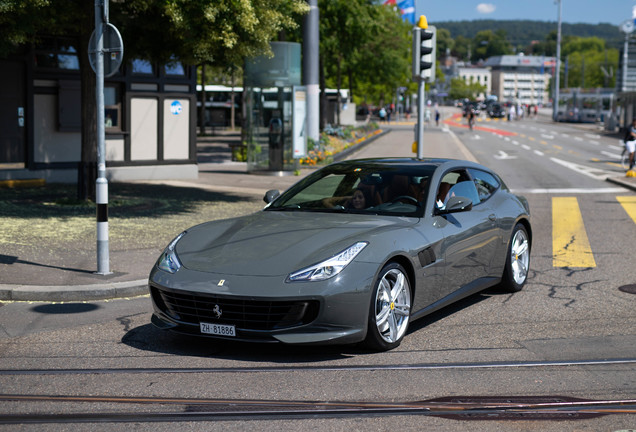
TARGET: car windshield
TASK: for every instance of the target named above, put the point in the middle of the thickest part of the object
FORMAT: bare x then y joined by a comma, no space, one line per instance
366,188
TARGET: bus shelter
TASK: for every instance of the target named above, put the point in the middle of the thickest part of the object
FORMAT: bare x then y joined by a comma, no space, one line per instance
275,111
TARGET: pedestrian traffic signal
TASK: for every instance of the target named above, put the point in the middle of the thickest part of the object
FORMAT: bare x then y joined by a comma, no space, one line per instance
424,43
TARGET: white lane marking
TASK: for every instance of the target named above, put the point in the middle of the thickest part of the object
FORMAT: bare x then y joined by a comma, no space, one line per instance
537,152
612,155
546,136
595,173
567,191
593,136
526,147
503,155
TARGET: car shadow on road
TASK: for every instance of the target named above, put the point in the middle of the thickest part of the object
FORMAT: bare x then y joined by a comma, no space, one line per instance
149,338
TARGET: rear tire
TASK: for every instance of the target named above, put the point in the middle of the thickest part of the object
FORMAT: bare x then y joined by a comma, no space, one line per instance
517,260
390,308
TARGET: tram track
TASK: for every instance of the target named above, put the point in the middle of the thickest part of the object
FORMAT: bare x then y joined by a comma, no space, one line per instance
342,368
90,408
196,409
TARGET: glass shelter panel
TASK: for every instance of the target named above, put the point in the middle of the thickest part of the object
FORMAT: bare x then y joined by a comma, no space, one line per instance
269,129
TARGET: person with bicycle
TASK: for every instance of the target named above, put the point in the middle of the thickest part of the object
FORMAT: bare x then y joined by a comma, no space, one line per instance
630,142
471,118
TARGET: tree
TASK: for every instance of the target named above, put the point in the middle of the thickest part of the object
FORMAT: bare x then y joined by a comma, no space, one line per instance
460,89
487,44
444,42
191,31
461,48
367,43
589,63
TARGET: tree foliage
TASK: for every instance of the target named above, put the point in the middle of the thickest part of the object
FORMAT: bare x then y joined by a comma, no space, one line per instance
488,43
460,89
367,43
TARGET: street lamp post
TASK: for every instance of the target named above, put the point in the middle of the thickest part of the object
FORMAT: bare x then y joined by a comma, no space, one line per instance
555,106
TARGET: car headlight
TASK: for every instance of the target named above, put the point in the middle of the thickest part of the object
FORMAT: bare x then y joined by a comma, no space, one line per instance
168,261
330,267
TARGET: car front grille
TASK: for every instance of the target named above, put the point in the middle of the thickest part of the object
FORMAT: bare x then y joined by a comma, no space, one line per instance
193,308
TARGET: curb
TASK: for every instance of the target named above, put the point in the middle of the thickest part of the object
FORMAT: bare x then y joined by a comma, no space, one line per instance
54,293
622,182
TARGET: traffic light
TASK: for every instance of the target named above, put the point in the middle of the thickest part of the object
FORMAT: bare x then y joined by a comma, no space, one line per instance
424,43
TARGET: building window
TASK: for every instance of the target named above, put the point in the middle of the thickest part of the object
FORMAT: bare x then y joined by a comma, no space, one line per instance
142,67
112,108
57,53
175,68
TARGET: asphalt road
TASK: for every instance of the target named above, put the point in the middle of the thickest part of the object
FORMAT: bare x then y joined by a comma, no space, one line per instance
569,334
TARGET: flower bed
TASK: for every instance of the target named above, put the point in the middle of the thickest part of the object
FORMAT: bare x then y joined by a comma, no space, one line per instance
334,140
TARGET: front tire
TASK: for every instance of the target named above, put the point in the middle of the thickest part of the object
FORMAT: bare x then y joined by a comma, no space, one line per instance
517,260
390,308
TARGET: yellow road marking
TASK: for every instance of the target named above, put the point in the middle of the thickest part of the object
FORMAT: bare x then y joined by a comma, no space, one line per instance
570,245
557,147
543,142
629,204
531,138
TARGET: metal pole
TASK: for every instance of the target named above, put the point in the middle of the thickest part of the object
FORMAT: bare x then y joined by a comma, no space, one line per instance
311,33
421,95
625,59
555,108
101,184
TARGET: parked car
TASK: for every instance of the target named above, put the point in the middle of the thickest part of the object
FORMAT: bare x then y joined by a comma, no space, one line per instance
496,111
352,253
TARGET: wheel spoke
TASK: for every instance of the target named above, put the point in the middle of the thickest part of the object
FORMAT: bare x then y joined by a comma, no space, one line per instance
402,309
381,318
393,331
522,248
398,288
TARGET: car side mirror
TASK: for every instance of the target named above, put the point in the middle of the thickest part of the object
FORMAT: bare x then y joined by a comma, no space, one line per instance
271,195
457,204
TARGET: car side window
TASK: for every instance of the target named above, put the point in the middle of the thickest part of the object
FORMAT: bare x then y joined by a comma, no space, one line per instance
485,183
456,183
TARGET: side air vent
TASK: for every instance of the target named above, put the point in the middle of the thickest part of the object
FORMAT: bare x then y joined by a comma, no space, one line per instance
427,257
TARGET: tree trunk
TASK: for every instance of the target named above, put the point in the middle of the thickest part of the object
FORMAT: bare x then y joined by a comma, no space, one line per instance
323,95
203,100
87,169
339,81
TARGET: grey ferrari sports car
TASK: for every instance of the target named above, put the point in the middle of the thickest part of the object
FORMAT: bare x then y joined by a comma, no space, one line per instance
351,253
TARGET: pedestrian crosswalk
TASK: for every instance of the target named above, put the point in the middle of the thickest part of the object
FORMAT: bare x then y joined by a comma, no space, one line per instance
570,242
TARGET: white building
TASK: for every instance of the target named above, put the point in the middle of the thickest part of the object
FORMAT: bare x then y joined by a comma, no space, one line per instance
521,79
480,75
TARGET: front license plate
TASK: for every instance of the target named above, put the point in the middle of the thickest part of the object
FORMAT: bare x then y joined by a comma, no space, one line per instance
218,329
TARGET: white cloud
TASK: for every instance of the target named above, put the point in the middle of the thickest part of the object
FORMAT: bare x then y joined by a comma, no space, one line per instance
486,8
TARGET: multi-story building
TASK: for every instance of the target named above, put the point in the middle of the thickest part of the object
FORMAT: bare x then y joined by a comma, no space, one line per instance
521,79
480,75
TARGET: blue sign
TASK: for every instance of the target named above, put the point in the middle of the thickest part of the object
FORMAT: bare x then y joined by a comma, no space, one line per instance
176,107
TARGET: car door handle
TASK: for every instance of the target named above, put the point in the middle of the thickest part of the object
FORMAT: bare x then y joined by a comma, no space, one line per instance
492,217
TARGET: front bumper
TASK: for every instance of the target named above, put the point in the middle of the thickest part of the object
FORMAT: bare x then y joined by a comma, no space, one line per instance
264,308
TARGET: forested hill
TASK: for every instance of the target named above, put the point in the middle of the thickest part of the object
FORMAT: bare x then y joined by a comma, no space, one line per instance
523,32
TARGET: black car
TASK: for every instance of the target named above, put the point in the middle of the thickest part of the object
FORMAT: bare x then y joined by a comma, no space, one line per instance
496,111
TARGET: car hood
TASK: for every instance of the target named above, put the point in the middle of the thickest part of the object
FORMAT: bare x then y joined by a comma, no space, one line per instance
273,243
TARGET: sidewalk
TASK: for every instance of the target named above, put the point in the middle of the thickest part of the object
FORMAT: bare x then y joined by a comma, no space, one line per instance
37,277
69,276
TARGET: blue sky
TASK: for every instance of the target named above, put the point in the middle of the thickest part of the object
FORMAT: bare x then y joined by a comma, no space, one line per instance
572,11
